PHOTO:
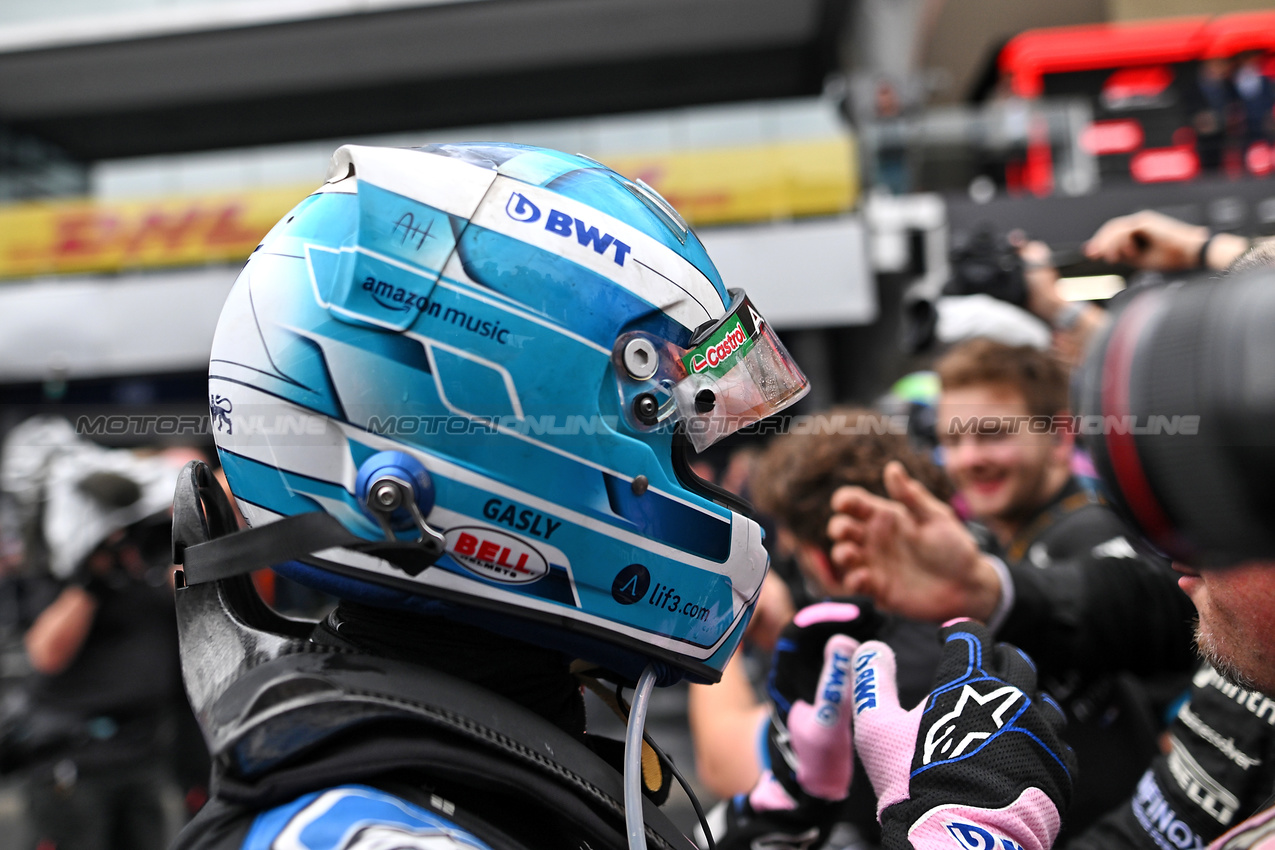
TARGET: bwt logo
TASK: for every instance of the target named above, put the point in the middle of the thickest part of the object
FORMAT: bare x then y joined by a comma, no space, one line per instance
970,836
834,690
865,683
519,208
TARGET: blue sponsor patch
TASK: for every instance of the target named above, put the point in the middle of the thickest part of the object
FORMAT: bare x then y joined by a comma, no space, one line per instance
970,836
1159,820
865,683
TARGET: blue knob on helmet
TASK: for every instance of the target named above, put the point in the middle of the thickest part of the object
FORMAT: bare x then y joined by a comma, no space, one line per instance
403,468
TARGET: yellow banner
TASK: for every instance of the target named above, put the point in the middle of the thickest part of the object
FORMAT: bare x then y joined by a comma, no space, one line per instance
717,186
82,236
756,183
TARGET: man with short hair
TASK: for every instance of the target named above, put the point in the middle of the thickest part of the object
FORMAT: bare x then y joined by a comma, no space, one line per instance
1001,448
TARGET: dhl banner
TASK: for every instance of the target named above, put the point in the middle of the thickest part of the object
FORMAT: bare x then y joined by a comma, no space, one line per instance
83,236
711,186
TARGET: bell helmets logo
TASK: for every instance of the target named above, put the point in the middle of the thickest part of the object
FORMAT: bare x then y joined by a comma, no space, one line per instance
495,555
715,355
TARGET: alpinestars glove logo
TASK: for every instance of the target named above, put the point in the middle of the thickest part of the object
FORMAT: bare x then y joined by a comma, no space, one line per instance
975,719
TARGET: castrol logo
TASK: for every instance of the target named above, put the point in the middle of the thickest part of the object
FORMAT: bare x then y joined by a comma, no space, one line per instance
721,352
495,555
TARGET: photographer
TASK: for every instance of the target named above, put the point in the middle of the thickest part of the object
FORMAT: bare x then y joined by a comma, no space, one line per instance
1154,241
1015,271
94,737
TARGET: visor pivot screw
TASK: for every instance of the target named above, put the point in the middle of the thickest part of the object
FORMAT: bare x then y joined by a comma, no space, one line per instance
646,409
386,496
640,359
640,485
705,401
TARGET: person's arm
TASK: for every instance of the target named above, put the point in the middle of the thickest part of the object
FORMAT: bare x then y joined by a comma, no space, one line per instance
771,615
1093,613
1098,614
57,635
726,718
726,721
1150,240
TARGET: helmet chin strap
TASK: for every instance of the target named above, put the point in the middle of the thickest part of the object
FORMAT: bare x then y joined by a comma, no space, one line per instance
209,545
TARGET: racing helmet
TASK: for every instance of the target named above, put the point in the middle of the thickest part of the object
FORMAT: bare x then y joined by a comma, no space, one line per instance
488,362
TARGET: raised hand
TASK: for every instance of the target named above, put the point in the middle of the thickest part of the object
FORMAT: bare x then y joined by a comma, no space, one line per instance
910,552
1150,240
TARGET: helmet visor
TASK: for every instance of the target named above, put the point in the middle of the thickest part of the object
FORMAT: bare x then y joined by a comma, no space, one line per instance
734,373
737,373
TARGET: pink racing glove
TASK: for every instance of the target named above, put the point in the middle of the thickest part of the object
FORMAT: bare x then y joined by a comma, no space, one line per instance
978,765
808,741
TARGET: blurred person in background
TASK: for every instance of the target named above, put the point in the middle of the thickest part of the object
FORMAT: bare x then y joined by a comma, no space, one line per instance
1256,93
1146,240
792,484
1039,537
1154,241
95,729
1215,112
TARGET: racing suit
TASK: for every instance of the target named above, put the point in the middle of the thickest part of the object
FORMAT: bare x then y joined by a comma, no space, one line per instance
379,728
1219,770
1060,564
1086,602
320,744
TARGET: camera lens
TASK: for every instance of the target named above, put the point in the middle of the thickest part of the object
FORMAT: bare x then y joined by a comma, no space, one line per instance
1177,406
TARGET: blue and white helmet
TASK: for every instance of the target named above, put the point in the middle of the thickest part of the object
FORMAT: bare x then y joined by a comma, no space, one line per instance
503,352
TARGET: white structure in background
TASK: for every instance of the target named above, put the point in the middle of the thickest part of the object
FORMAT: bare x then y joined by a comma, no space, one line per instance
803,273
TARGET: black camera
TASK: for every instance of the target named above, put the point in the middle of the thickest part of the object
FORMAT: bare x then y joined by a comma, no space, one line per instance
981,263
984,263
